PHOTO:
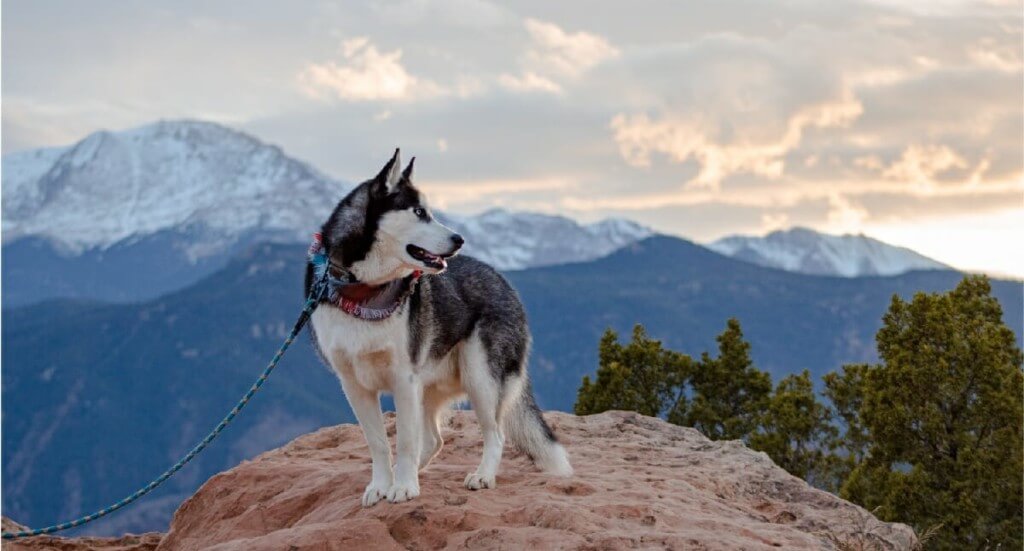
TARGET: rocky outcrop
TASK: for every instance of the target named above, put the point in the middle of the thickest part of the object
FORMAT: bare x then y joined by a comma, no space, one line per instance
639,483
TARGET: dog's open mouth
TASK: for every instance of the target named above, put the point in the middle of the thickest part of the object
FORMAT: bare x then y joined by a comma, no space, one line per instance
429,259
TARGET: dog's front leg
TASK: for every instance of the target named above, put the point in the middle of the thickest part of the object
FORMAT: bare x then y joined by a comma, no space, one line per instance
409,410
366,405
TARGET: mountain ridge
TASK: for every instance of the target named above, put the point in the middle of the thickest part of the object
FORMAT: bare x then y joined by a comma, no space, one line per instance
168,174
130,215
800,249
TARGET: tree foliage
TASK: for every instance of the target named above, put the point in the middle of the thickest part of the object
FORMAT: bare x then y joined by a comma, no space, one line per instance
797,432
844,391
639,376
729,394
932,436
942,418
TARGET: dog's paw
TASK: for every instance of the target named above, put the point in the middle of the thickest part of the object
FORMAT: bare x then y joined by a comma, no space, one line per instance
475,481
374,493
399,492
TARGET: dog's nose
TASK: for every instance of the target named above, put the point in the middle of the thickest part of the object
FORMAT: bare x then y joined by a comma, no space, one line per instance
458,240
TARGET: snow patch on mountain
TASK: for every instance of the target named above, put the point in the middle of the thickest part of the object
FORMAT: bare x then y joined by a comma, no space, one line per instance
517,240
807,251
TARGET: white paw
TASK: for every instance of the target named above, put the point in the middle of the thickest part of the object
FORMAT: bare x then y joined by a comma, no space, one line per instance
374,493
399,492
475,481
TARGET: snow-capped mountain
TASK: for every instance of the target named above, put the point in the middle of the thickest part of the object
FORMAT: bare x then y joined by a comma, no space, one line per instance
810,252
132,214
517,240
111,187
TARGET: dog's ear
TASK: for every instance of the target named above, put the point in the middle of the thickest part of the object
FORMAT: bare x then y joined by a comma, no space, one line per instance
388,178
407,173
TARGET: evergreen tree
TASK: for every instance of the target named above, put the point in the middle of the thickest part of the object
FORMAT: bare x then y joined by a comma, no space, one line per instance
943,416
637,377
797,433
845,391
729,394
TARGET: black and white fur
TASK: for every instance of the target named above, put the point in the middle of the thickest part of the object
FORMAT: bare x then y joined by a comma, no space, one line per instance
462,333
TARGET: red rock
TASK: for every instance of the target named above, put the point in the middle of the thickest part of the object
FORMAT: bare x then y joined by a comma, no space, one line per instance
639,483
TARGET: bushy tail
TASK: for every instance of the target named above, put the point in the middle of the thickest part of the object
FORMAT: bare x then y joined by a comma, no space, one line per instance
525,427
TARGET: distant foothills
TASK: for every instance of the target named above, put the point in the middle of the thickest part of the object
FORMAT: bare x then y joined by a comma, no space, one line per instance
130,215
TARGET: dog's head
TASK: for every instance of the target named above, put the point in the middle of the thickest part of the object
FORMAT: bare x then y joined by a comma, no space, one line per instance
384,230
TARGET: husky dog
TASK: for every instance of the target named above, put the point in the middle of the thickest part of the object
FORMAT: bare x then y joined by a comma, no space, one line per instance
412,319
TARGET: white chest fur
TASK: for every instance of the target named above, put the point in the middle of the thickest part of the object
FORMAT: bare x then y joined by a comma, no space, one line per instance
371,353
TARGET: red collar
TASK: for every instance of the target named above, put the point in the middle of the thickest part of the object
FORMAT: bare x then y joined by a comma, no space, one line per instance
352,298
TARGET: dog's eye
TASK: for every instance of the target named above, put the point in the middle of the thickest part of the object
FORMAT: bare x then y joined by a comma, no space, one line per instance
420,212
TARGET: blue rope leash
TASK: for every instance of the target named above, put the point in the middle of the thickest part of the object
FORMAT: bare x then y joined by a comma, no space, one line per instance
307,311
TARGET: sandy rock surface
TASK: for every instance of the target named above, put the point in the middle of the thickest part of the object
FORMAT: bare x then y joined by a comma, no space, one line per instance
640,483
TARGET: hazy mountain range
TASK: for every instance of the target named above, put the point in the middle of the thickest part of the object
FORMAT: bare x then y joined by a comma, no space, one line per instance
130,215
127,216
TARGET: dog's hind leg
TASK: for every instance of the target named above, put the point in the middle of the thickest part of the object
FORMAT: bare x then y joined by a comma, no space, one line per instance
484,392
434,402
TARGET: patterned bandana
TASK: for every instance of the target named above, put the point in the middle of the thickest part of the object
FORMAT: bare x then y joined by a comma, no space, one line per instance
364,302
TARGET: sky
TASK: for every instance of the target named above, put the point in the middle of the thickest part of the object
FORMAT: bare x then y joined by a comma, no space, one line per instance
900,120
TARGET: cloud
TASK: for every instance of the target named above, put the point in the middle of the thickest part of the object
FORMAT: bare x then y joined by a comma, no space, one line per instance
697,119
557,52
726,104
366,75
681,138
479,195
529,82
469,14
551,56
844,215
991,53
555,55
921,164
771,221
